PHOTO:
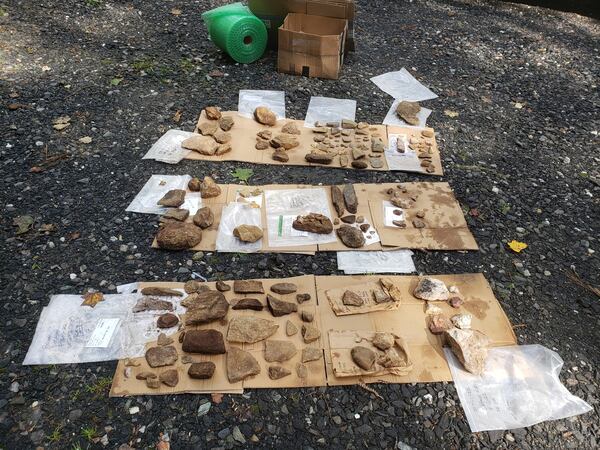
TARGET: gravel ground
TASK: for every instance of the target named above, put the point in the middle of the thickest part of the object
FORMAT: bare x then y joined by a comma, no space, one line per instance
522,157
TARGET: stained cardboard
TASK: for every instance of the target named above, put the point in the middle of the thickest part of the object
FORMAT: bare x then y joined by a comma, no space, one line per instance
446,226
408,322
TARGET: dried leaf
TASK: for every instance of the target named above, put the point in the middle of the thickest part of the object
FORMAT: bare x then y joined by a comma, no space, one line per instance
177,115
61,119
450,113
216,73
92,299
15,106
517,246
115,81
485,99
217,398
23,224
36,169
47,228
60,126
74,236
176,11
85,140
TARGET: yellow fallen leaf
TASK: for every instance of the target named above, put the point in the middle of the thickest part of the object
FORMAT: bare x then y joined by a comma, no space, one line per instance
176,11
517,246
519,105
92,299
450,113
85,140
60,126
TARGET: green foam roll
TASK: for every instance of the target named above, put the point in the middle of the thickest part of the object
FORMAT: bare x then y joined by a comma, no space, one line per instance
236,31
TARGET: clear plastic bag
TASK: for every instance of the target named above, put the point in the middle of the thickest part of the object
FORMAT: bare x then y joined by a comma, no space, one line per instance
392,118
249,100
402,85
327,109
396,261
233,215
159,185
168,148
519,388
283,206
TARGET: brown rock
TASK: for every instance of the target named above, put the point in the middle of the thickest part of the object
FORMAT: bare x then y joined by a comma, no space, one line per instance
290,128
205,145
350,199
352,299
284,288
438,323
418,223
310,333
250,329
455,302
376,163
153,383
319,158
208,128
301,298
247,303
348,219
314,223
167,320
194,185
248,233
343,160
348,124
408,111
351,237
279,307
181,336
311,354
207,342
222,137
364,227
338,200
265,134
281,156
301,371
161,292
359,164
222,286
381,296
186,359
174,198
399,223
169,377
145,375
320,129
222,149
178,236
431,289
161,356
163,340
277,372
212,113
290,328
192,286
261,144
264,115
307,316
383,341
152,304
205,307
470,347
201,370
279,351
204,217
358,152
363,357
391,358
177,214
377,145
285,141
209,188
226,123
240,365
248,287
393,291
427,133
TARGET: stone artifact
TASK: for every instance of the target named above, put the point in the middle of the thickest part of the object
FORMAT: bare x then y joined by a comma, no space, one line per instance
348,219
145,375
301,298
226,123
376,163
194,185
470,347
222,149
279,351
167,320
307,316
392,290
462,321
163,340
438,323
205,145
250,329
383,341
264,115
201,370
358,152
431,289
337,199
204,217
247,303
319,158
313,223
359,164
265,134
240,365
176,214
153,383
364,227
350,199
427,133
311,354
161,356
205,307
399,223
161,292
222,137
363,357
279,307
209,188
391,358
284,288
377,145
285,141
408,111
352,299
192,286
310,333
290,328
222,286
301,371
261,144
207,342
174,198
152,304
348,124
350,236
418,223
290,128
280,155
208,128
248,233
178,236
169,377
248,287
455,302
212,113
277,372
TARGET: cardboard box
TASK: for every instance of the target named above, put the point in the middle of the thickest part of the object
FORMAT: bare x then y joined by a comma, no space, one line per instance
273,12
311,46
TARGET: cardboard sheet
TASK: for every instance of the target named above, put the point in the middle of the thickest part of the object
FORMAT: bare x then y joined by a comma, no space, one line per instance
446,227
408,322
243,140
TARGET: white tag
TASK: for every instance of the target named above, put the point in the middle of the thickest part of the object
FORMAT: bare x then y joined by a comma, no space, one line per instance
103,333
127,288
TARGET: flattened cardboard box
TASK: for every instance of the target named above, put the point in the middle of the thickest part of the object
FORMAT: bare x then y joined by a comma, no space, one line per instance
311,46
408,321
243,139
446,228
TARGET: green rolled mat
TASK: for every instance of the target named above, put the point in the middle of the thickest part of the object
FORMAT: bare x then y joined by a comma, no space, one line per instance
235,30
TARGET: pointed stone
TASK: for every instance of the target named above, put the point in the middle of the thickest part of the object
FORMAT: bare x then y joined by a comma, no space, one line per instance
278,372
222,286
290,328
310,333
173,198
240,365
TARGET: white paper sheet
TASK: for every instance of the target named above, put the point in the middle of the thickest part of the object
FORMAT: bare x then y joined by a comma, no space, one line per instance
402,85
168,148
393,261
249,100
159,185
328,109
